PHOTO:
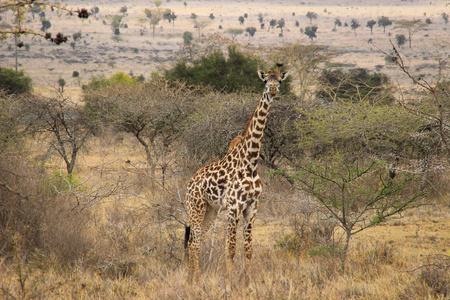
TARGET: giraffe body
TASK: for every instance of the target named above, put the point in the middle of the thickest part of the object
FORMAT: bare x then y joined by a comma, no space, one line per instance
231,184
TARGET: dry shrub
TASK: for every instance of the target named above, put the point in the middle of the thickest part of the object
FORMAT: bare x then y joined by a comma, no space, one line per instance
435,273
374,254
41,218
311,233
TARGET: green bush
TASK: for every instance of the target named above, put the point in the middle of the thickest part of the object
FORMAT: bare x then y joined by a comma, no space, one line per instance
13,82
117,78
235,72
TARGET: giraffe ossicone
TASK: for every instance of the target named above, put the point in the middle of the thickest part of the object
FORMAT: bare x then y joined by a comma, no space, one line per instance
231,184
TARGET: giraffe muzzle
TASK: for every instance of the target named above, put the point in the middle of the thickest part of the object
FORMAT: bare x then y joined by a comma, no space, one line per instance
273,91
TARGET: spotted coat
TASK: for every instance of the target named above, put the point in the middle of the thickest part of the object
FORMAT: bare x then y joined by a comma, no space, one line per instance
231,184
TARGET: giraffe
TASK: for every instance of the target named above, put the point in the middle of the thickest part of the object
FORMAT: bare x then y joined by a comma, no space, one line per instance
232,184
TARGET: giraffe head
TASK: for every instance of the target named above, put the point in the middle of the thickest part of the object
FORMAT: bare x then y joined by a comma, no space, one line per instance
273,79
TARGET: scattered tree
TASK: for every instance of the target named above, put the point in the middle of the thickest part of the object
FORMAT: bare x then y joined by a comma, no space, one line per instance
280,24
234,32
123,10
153,16
115,23
355,24
200,25
95,10
401,39
169,16
311,15
251,32
310,31
445,17
76,36
62,84
187,38
241,20
411,26
273,23
370,25
337,22
46,24
211,16
157,3
260,18
384,22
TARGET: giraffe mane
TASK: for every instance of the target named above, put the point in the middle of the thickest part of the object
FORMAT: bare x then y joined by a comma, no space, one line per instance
245,130
235,142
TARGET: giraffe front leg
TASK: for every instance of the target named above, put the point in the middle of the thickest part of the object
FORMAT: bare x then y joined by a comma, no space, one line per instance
231,240
249,218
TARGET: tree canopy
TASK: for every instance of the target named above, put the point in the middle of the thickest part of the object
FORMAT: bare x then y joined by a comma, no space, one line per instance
233,71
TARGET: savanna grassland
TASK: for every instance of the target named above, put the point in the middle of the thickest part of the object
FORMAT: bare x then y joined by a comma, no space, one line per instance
114,227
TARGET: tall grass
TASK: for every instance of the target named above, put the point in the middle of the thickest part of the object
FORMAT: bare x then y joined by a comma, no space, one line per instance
132,247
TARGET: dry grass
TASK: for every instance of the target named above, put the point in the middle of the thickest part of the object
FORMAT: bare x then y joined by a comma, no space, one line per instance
135,252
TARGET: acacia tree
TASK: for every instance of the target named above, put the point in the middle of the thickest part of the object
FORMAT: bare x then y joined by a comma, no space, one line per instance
234,32
445,17
358,194
273,23
153,17
353,159
435,107
251,32
310,31
370,25
280,24
61,121
304,65
200,25
384,22
411,26
116,22
337,22
311,15
354,24
151,112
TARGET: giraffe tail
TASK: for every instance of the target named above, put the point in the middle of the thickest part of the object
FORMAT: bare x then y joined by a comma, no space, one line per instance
187,233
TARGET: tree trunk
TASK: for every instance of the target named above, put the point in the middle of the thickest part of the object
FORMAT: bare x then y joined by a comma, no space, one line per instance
348,233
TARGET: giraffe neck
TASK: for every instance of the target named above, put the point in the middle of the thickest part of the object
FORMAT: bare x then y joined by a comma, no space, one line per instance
254,130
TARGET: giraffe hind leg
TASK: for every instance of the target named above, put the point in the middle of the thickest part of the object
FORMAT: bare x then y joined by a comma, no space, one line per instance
196,209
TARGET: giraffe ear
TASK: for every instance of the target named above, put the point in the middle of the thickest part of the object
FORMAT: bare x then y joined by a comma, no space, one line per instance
261,75
283,75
